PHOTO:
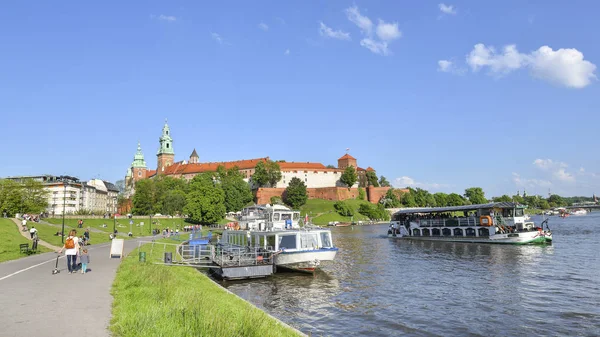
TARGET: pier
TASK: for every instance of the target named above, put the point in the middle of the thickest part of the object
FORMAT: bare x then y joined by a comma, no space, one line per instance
224,261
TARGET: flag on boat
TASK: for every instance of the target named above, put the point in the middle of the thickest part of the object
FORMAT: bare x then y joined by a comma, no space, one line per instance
306,218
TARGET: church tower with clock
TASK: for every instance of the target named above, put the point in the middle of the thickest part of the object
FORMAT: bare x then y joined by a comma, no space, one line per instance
165,154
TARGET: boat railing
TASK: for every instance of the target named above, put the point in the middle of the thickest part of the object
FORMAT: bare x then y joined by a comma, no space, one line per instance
233,255
450,222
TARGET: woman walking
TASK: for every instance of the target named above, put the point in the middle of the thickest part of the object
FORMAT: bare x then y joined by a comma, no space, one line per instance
71,248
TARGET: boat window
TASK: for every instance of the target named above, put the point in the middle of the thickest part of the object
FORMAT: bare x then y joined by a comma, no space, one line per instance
275,216
425,231
435,232
285,216
458,232
416,232
287,242
519,212
470,232
325,239
296,216
484,232
446,232
308,241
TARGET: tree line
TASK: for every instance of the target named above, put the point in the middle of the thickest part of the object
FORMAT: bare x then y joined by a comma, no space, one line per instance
207,197
418,197
27,197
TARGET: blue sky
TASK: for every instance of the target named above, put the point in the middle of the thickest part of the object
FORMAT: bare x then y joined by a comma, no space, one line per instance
501,95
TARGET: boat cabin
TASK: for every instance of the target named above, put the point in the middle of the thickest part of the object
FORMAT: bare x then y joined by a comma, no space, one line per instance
481,220
290,240
267,217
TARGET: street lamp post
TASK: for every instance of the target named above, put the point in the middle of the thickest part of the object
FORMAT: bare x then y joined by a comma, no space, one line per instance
114,217
63,215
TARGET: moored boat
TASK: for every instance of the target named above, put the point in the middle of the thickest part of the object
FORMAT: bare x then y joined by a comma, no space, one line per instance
579,211
276,229
500,223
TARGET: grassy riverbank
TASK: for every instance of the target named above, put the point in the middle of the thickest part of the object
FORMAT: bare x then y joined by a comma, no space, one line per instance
158,300
321,211
11,239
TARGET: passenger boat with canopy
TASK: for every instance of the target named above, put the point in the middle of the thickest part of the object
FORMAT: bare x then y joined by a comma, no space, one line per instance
277,229
500,222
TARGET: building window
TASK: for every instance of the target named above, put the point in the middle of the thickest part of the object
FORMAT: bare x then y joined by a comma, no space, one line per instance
139,173
305,179
167,145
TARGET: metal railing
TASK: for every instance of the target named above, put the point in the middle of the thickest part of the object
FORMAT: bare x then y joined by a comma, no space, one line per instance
450,222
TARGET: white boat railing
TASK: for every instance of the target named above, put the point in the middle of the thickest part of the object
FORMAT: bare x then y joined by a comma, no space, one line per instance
449,222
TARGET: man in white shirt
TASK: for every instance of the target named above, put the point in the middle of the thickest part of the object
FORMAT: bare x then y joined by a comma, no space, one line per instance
32,231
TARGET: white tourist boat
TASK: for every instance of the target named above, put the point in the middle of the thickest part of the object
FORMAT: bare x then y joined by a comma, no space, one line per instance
501,222
579,211
277,229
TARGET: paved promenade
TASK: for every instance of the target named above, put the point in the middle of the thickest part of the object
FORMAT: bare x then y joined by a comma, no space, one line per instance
36,303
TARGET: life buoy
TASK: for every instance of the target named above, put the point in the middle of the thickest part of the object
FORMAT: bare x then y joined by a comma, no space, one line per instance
485,220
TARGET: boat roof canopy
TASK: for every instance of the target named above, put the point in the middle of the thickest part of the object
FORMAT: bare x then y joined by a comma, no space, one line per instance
460,208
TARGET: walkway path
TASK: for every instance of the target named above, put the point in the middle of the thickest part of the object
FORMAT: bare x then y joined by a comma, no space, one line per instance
36,303
28,236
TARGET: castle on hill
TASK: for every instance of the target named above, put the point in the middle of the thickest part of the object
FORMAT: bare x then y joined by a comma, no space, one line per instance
314,175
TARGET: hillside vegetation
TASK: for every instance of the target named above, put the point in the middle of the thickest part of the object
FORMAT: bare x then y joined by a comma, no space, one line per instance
321,212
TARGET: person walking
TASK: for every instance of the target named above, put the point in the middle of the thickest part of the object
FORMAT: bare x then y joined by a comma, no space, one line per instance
86,236
71,248
85,260
32,231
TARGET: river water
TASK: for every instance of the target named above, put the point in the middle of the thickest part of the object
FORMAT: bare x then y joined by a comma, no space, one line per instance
386,287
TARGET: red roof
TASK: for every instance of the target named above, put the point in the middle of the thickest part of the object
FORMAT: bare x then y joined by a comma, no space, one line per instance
301,166
181,168
150,173
347,156
370,169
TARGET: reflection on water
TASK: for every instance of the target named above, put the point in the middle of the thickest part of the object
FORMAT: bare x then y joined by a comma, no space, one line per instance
385,287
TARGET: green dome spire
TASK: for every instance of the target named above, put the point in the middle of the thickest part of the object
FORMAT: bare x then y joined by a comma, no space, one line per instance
138,159
166,142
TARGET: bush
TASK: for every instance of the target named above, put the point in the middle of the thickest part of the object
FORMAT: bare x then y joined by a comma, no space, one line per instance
343,208
275,200
361,194
374,211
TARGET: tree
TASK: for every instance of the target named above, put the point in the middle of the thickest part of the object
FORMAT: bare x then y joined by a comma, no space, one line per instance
556,200
408,200
174,202
295,194
143,199
349,176
390,199
504,198
441,199
330,166
373,211
372,179
383,182
276,200
260,177
455,200
237,192
205,201
544,204
273,172
518,199
35,197
475,195
343,208
11,197
362,195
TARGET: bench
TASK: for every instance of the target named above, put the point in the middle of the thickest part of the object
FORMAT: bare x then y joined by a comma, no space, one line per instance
24,248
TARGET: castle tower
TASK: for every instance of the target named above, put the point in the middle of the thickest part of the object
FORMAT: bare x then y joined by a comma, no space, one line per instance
194,157
138,167
165,154
347,160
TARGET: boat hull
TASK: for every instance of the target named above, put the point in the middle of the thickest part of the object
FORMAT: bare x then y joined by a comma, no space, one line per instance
523,238
305,261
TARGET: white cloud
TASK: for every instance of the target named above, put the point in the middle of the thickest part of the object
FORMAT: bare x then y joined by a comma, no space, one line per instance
405,181
168,18
378,47
447,9
385,32
388,31
445,66
263,26
564,67
217,37
529,183
286,52
557,169
364,23
334,34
